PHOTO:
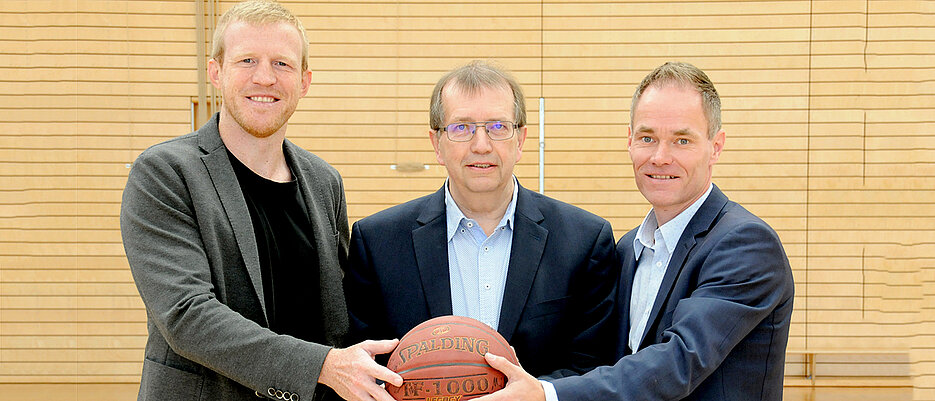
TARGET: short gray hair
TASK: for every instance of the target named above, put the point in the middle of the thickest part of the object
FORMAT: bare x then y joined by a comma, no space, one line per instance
688,75
472,78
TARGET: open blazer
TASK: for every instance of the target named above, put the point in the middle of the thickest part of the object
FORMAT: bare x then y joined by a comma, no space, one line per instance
557,302
193,254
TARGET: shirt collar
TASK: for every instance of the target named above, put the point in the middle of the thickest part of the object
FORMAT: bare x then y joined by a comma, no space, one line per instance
671,231
454,216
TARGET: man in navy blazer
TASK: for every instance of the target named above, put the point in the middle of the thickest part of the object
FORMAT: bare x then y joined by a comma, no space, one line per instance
706,291
539,271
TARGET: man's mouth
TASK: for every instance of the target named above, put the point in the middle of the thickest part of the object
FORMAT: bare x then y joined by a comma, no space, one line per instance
263,99
481,165
661,177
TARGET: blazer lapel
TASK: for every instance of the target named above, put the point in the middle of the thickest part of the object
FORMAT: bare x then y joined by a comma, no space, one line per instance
431,250
528,245
625,290
228,189
698,225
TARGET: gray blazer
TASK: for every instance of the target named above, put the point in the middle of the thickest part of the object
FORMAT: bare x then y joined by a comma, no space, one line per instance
189,239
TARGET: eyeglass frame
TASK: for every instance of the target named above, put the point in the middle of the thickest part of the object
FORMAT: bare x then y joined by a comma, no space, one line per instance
475,124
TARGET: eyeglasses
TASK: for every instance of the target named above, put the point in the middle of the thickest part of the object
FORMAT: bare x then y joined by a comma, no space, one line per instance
464,131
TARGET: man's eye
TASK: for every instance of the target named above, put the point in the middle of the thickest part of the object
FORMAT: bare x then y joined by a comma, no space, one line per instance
646,139
683,141
247,60
496,125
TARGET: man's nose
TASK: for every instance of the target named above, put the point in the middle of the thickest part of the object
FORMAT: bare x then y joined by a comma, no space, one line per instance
264,75
481,142
661,154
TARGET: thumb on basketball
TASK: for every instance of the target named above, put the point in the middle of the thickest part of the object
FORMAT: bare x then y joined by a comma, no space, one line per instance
519,384
503,365
375,347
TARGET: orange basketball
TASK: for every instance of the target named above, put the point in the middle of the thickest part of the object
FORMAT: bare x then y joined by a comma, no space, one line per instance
442,359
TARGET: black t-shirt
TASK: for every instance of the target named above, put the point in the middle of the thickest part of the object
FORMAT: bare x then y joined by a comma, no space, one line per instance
288,258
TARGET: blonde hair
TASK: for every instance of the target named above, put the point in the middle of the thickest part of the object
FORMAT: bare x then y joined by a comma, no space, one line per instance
258,12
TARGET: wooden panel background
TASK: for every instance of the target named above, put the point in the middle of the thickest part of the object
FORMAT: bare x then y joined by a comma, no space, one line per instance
829,108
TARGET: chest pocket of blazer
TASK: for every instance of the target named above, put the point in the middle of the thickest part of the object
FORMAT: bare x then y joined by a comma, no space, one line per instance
546,308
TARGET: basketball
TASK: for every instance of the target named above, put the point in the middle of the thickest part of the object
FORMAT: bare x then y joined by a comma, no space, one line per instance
442,359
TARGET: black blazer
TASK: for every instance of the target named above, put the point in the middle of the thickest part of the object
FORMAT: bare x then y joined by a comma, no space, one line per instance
720,322
558,300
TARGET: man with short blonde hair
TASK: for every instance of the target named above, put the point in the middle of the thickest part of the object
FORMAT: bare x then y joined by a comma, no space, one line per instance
236,239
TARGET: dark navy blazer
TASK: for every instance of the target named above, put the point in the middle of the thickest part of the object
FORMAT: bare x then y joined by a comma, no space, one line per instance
720,322
557,309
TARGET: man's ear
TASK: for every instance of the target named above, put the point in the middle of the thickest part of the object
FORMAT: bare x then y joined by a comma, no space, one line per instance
435,136
214,73
306,81
718,143
520,140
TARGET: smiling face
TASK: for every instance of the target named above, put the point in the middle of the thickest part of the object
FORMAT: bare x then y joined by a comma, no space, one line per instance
260,77
480,167
673,158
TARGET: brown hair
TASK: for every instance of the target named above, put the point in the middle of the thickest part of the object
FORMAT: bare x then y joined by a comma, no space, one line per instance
679,73
471,78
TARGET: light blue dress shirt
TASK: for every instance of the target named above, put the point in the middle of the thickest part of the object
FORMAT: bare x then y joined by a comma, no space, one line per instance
477,264
653,246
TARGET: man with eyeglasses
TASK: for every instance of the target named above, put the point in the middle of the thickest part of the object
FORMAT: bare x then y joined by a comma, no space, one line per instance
539,271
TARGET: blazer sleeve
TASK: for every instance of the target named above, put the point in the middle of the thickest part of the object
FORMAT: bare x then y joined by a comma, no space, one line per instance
740,282
593,295
167,254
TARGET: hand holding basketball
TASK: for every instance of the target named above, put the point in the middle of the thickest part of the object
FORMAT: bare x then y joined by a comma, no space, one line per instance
519,384
351,371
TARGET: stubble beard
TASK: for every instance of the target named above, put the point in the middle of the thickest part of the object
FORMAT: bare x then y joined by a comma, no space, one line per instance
257,128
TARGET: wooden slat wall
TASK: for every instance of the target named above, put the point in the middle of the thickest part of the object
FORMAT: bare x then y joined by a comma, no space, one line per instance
38,193
828,106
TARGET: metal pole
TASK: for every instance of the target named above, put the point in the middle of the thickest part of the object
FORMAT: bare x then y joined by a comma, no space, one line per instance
542,145
202,115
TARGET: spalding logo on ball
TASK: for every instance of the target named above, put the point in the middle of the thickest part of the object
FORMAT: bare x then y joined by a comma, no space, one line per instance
442,359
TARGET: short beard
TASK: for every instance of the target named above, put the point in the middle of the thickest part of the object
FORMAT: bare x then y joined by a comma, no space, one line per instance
261,131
